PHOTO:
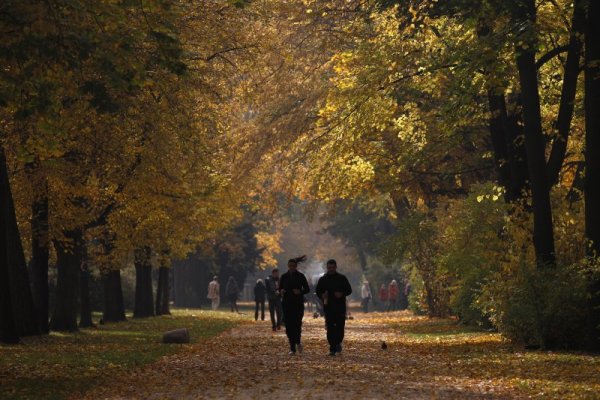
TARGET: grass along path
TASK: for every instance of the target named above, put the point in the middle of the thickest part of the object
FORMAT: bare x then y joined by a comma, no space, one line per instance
425,359
63,365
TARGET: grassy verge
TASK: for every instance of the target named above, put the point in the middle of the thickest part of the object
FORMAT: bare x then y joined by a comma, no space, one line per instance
459,353
60,365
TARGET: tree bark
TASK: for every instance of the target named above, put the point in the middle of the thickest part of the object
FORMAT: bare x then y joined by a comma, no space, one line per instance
592,158
114,306
8,329
567,98
21,299
162,291
85,316
592,128
40,252
543,235
144,303
68,263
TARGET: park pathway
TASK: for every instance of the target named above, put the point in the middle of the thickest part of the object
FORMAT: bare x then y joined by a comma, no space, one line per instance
251,362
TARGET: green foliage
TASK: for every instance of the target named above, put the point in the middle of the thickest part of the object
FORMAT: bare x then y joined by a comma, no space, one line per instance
541,307
471,239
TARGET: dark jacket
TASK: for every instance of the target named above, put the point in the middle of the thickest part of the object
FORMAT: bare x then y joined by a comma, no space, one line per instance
272,286
331,283
232,287
290,281
259,291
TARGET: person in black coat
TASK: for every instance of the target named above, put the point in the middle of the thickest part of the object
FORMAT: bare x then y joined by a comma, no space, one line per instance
274,297
294,286
259,298
333,288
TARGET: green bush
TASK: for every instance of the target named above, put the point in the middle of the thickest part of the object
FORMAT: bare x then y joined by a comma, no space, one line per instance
538,307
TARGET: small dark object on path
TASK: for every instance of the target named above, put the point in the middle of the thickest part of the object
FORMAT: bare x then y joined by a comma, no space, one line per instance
176,336
383,346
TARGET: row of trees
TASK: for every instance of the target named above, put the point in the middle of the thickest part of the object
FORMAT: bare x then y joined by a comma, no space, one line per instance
464,133
448,108
118,121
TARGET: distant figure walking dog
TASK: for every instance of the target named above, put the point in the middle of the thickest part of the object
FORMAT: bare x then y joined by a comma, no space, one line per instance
293,288
333,288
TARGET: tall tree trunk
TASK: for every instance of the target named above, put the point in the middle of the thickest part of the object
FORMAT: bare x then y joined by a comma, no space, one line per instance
40,251
518,157
163,290
8,329
24,313
592,157
144,303
543,235
509,151
68,263
85,316
114,306
567,97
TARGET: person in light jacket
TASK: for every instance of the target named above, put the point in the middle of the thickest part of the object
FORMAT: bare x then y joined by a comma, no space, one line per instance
214,293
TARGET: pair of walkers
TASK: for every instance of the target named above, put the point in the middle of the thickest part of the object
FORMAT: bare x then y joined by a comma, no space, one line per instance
332,288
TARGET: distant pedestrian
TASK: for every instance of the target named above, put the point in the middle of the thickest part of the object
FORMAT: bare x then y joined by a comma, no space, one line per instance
393,291
232,291
274,297
383,297
365,296
333,288
214,293
293,288
259,299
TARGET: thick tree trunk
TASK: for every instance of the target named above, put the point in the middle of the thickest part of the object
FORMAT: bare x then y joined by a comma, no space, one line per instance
144,303
68,263
509,149
40,252
592,157
24,313
8,329
162,291
543,236
592,128
114,306
567,98
85,317
518,157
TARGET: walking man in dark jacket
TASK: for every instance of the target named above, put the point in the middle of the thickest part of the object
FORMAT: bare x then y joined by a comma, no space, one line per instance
293,288
333,288
274,297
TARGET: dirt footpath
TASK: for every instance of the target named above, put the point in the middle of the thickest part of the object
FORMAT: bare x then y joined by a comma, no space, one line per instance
251,362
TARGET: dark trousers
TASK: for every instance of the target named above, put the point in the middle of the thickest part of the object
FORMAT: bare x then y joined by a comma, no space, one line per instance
260,303
275,312
365,304
336,322
293,324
